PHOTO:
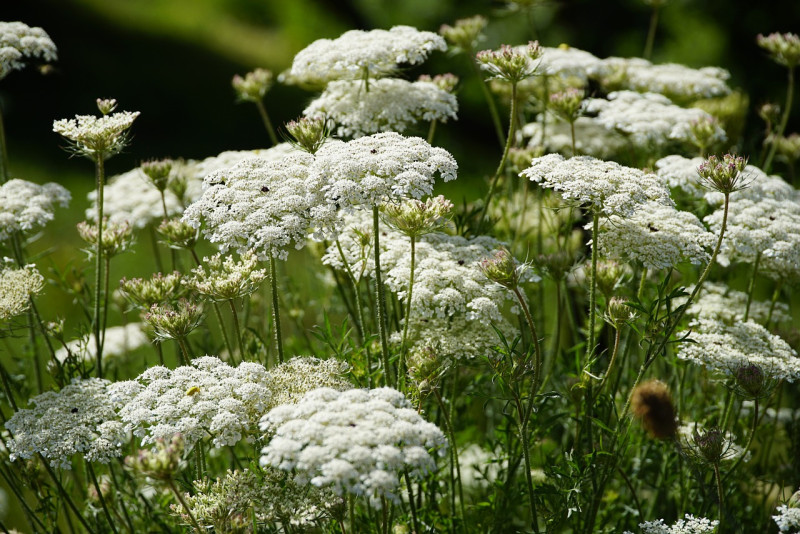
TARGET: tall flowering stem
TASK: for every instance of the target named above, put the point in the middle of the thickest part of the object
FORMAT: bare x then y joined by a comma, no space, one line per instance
593,286
98,275
276,316
3,152
404,348
381,298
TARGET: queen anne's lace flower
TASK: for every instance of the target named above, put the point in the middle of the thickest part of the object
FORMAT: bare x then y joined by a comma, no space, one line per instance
787,518
227,279
688,525
81,418
656,236
571,63
355,442
677,82
118,341
289,381
208,398
650,120
455,338
591,138
19,42
608,186
25,206
726,347
356,53
717,301
17,286
390,104
385,166
94,136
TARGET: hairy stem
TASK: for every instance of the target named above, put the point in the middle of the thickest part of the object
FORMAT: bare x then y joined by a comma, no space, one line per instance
402,365
787,109
593,286
262,110
651,35
96,321
276,314
381,297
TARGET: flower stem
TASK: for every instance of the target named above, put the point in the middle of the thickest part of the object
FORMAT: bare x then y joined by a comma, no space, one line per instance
262,110
381,297
610,363
64,493
787,108
593,286
537,364
720,496
651,35
222,328
101,497
3,152
753,426
509,140
238,330
177,493
402,365
448,424
96,321
498,128
276,315
411,502
751,287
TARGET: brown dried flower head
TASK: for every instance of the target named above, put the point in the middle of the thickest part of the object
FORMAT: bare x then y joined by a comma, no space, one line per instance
652,404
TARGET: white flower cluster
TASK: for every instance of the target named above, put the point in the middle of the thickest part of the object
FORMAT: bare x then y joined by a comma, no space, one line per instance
571,63
18,42
355,442
681,173
723,347
381,167
787,519
688,525
591,138
97,136
766,229
118,342
262,205
227,279
657,236
25,206
207,398
679,83
291,380
81,418
720,302
649,119
17,286
390,104
608,186
357,53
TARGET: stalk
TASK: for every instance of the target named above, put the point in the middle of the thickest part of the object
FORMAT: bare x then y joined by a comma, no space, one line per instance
775,295
432,131
787,108
537,364
96,321
448,424
276,315
238,330
185,358
651,34
411,502
267,123
498,128
751,287
177,493
610,363
101,497
222,328
3,152
360,325
572,131
593,287
381,297
402,365
502,165
753,426
720,496
64,494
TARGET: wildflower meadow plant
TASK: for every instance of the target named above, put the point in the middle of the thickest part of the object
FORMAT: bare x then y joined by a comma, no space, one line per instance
411,315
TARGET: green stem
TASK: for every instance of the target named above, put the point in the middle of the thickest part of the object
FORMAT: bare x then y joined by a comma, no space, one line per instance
523,432
498,127
3,152
96,321
217,312
64,493
276,314
751,287
572,131
753,426
610,363
359,316
402,365
177,493
432,131
720,496
156,252
262,110
381,296
642,282
537,364
7,387
238,330
651,35
775,295
448,424
411,502
185,358
784,120
351,512
504,158
25,506
101,497
593,286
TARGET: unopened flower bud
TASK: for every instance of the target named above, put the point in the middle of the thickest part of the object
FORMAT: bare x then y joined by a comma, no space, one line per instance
446,82
567,104
253,86
783,48
751,380
174,322
770,113
618,312
308,134
415,217
178,234
710,444
465,34
163,463
724,175
511,64
158,172
158,289
106,105
704,131
117,237
502,268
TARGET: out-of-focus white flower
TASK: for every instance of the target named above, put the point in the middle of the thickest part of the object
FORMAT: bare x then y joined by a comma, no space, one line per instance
720,302
688,525
118,341
17,286
19,42
25,206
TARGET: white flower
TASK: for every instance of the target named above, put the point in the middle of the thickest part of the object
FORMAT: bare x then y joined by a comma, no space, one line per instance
688,525
608,186
650,120
787,518
17,286
718,301
227,279
356,441
657,236
81,418
19,42
381,167
677,82
289,381
26,206
571,63
724,347
118,341
207,399
97,137
591,138
390,104
356,53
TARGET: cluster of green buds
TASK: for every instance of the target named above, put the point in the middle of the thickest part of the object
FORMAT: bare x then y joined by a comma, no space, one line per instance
426,368
610,274
770,113
787,146
174,322
178,234
446,82
703,131
158,172
783,48
308,133
724,175
159,289
163,463
465,35
511,64
117,237
227,279
619,312
566,104
253,86
503,269
415,217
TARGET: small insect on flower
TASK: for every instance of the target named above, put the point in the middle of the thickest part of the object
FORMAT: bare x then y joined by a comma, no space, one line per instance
192,391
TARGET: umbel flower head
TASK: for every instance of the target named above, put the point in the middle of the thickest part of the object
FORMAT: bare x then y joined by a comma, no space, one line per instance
178,234
25,206
356,441
174,322
159,289
97,137
567,104
17,286
511,64
253,86
465,34
783,48
688,525
308,133
415,217
117,237
227,279
158,171
19,43
724,175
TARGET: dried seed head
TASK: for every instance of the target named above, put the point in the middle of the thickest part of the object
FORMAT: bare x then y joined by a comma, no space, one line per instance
751,381
652,403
